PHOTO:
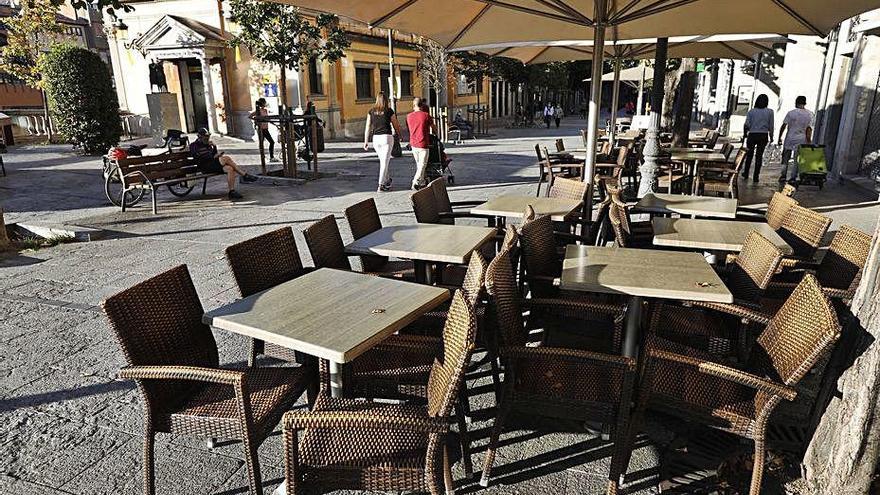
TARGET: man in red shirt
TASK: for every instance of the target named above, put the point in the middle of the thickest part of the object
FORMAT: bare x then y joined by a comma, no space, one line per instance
420,126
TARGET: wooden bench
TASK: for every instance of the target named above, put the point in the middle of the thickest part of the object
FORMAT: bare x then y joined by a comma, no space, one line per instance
127,179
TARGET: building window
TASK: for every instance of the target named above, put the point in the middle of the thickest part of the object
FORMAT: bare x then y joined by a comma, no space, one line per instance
461,86
364,82
406,83
384,74
316,77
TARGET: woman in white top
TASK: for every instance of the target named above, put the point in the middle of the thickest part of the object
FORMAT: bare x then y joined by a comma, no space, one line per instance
759,131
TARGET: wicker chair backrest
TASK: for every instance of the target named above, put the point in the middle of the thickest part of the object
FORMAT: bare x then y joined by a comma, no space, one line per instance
803,330
778,209
425,206
539,248
474,279
754,267
563,188
447,372
325,244
363,219
441,195
803,230
264,261
846,257
158,322
504,299
788,190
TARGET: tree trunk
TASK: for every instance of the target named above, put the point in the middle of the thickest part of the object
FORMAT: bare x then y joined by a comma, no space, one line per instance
684,103
669,89
842,455
46,115
4,239
283,89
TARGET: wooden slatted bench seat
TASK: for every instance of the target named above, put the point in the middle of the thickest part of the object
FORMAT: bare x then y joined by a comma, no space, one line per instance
127,179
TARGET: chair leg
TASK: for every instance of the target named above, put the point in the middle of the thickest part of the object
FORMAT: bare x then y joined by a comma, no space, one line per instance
447,473
465,440
758,469
149,473
252,460
493,444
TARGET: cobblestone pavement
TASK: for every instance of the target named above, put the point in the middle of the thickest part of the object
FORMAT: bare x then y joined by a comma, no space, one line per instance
69,427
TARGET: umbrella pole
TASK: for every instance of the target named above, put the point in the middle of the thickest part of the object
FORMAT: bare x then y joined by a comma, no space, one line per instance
595,101
640,110
652,151
615,100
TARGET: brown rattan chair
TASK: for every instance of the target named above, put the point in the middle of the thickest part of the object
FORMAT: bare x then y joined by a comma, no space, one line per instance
549,168
715,327
345,444
724,179
776,211
788,190
258,264
839,272
363,219
616,167
803,230
627,233
550,381
328,251
688,383
447,209
173,358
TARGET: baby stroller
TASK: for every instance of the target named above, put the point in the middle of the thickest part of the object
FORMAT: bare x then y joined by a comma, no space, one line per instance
438,162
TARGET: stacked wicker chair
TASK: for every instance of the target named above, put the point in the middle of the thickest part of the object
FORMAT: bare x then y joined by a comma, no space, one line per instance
363,219
626,233
776,211
803,230
173,358
575,190
839,272
715,327
553,382
548,168
447,209
328,251
345,444
724,181
260,263
689,383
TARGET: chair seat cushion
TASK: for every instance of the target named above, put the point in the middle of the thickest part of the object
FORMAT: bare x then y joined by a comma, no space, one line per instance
271,391
695,327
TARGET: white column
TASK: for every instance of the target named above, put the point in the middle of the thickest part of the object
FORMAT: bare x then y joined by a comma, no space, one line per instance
207,82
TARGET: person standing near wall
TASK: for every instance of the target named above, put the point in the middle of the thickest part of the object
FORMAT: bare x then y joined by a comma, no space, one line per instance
557,114
263,127
548,114
382,124
799,124
759,131
421,126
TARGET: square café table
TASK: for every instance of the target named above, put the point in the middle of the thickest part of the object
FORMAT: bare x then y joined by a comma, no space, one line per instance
711,235
514,206
641,273
331,314
424,243
683,204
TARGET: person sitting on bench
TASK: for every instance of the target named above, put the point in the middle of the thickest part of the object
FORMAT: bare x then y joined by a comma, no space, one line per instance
210,161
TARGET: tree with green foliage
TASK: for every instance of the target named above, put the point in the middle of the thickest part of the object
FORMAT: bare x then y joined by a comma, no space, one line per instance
279,34
81,97
28,34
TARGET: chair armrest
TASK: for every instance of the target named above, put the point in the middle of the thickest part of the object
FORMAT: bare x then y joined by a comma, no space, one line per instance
422,344
378,418
726,372
465,204
191,373
735,310
786,288
588,357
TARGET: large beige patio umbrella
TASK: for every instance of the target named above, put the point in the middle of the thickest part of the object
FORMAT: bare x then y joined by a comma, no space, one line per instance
459,23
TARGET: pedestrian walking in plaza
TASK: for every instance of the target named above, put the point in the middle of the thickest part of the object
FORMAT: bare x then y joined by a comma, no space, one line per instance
557,114
759,131
799,124
263,127
382,125
211,161
548,114
421,126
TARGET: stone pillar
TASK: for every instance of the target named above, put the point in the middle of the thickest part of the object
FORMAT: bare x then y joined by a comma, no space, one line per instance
209,95
652,151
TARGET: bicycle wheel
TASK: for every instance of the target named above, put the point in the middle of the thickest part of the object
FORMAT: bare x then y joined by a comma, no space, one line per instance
181,189
113,190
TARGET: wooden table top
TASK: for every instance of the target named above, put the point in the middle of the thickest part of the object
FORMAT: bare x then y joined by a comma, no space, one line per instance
700,206
711,235
690,156
642,272
332,314
514,206
424,241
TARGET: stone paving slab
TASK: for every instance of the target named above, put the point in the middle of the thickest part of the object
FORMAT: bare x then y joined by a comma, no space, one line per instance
69,427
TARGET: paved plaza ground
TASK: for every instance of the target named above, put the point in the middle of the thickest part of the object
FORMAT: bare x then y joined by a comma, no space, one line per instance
68,426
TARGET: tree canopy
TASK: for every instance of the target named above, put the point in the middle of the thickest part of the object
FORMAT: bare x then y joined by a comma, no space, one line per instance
29,33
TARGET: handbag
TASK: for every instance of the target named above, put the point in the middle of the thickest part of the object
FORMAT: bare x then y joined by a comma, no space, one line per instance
396,150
